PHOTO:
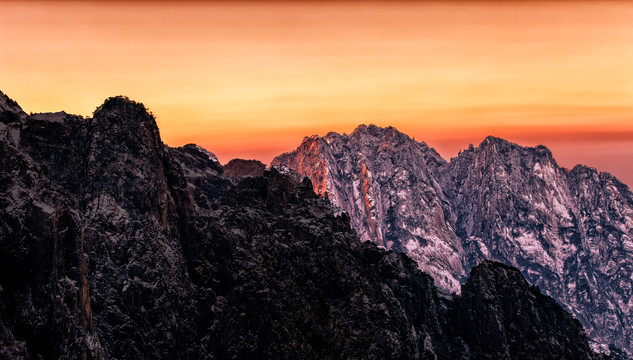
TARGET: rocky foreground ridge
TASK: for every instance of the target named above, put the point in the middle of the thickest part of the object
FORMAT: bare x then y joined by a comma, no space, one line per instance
568,231
115,246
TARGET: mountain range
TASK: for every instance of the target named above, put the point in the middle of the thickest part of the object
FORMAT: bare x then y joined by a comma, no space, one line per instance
116,246
568,231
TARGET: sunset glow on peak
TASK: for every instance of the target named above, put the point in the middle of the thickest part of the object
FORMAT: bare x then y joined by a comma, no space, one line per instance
251,79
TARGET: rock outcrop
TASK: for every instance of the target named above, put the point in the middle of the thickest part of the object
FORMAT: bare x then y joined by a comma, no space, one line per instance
239,167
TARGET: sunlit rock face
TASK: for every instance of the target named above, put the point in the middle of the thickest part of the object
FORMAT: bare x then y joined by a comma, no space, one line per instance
569,232
115,246
388,184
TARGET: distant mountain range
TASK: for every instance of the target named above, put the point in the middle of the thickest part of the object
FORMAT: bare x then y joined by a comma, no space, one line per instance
568,231
115,246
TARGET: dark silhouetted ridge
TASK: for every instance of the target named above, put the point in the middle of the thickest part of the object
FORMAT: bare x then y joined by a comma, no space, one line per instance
113,245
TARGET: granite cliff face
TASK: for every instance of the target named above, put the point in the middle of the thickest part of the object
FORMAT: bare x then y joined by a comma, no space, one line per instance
569,232
386,182
114,246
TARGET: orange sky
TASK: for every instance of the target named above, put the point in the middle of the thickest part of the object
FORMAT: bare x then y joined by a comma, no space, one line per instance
251,79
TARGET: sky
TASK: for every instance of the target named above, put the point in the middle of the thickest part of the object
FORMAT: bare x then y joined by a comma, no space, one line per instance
251,79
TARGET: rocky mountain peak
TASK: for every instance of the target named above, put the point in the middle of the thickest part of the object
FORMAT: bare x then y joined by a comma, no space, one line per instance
207,153
8,107
376,131
505,164
390,139
121,117
499,149
569,232
388,136
205,157
491,140
11,118
495,146
121,103
582,172
239,167
357,173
